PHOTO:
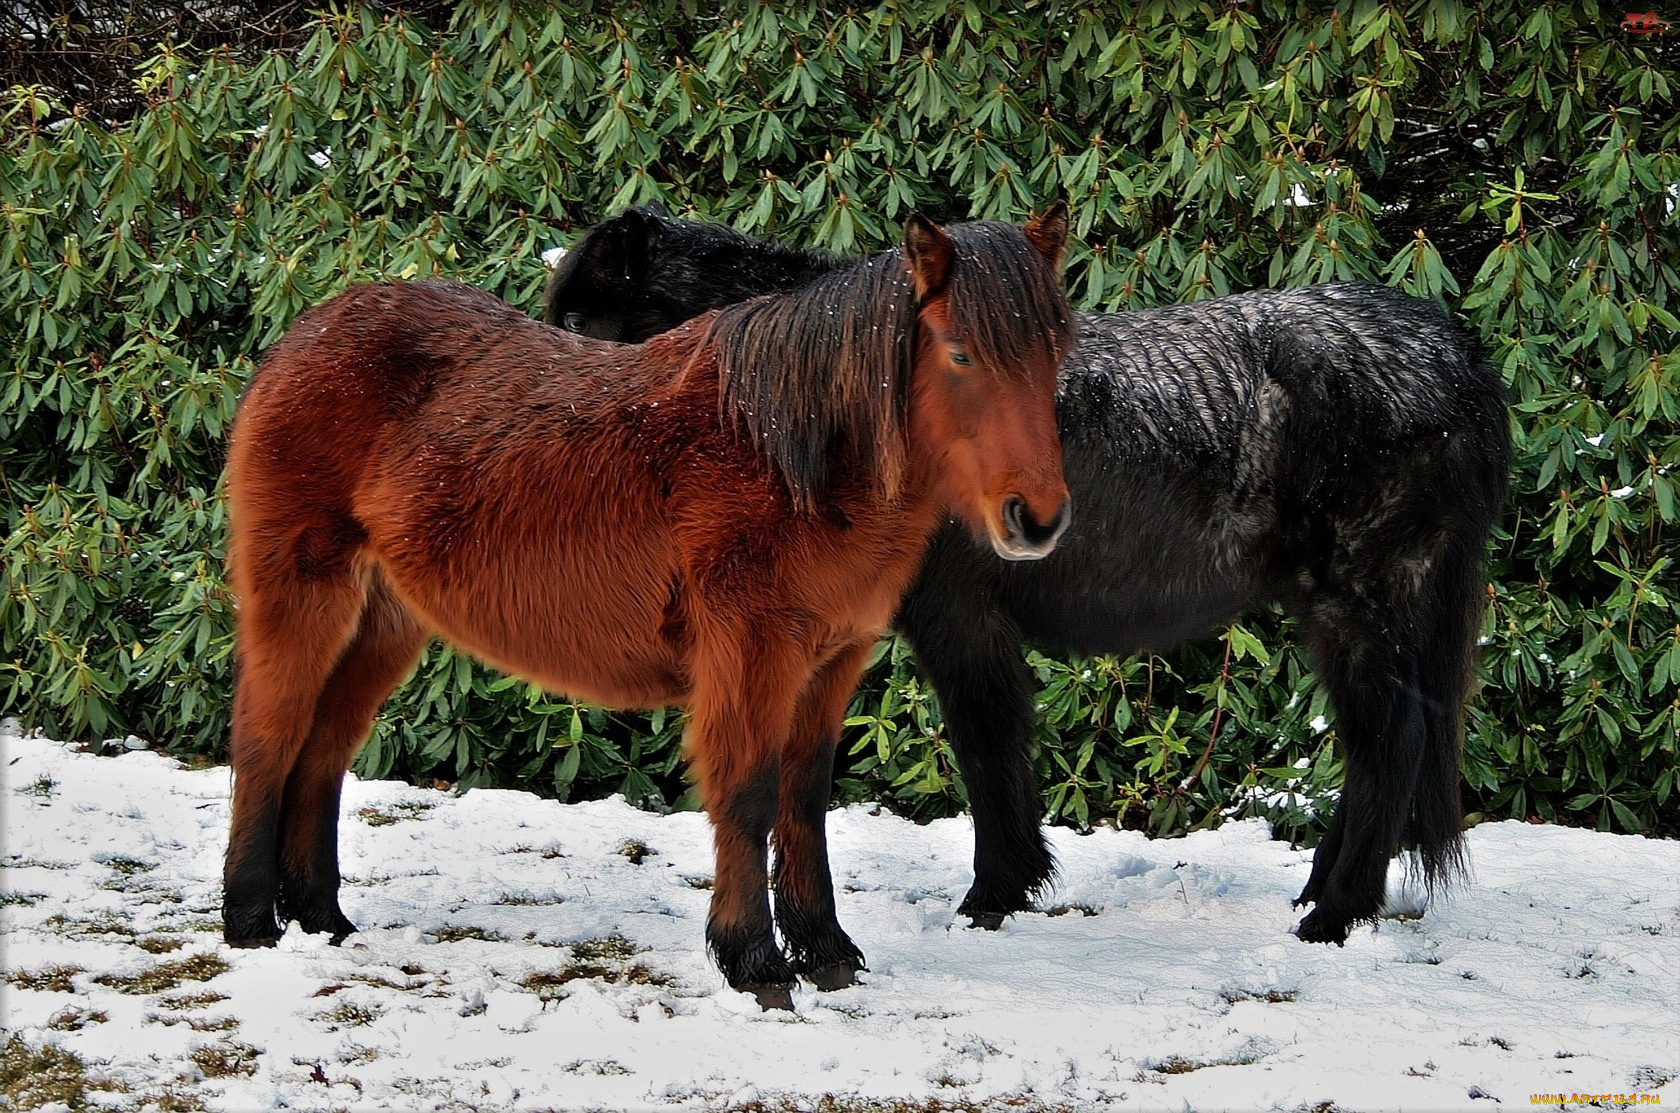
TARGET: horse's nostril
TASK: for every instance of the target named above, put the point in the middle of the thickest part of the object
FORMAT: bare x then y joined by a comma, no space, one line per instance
1022,525
1014,508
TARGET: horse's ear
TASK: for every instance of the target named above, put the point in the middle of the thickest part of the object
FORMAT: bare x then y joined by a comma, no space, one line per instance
629,241
1049,234
927,254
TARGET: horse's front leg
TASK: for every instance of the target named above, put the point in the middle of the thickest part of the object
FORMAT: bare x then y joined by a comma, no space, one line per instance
811,932
742,708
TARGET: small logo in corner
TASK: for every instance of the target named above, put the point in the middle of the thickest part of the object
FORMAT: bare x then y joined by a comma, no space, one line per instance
1645,23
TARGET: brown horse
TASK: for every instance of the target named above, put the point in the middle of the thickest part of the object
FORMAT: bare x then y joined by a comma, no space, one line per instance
723,518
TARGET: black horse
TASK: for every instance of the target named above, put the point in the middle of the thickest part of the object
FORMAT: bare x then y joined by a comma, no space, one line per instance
1338,449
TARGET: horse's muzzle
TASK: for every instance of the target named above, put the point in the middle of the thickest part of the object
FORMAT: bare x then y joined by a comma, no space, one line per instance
1024,537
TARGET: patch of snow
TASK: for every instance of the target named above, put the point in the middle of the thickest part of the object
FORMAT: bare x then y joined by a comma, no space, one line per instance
1319,724
551,258
1556,970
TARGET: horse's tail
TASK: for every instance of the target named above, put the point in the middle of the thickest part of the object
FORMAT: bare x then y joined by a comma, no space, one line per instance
1455,600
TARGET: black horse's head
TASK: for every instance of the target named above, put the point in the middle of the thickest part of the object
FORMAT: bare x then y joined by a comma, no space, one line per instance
643,272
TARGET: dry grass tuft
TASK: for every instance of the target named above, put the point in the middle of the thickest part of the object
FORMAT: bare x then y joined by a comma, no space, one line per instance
225,1059
167,975
51,979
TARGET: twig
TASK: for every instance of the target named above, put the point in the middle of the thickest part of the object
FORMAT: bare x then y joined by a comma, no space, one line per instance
1218,717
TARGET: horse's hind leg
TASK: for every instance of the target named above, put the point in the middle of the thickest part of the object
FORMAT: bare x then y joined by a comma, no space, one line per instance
291,631
1371,670
387,641
818,947
972,654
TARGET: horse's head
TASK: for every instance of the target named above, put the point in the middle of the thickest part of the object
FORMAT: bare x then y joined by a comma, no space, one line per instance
994,326
643,272
600,285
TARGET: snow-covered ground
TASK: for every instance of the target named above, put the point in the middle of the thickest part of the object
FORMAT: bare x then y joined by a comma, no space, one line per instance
521,954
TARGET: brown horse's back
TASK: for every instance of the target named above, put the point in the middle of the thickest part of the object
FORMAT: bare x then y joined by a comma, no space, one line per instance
464,455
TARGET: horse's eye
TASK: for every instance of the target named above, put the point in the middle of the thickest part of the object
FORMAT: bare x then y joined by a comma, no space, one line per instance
960,358
575,321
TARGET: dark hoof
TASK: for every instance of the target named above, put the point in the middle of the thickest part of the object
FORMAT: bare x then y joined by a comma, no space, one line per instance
769,997
990,921
333,923
835,975
250,927
1318,928
1308,896
252,944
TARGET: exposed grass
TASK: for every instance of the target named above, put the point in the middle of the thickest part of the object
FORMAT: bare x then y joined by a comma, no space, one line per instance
608,948
171,1100
225,1059
73,1019
831,1103
105,925
41,787
1647,1079
22,863
1269,996
23,900
596,1066
704,883
196,1023
635,850
1064,909
526,900
348,1014
605,959
191,1001
50,979
166,975
31,1077
1178,1065
128,867
456,934
375,816
383,982
159,944
143,889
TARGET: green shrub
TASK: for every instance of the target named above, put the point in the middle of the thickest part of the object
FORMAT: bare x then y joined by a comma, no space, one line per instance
1517,161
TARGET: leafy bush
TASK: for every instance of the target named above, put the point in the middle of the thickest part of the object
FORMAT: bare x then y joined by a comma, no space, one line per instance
1517,161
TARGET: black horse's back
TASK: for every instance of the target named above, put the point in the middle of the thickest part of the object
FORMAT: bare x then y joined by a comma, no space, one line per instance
1340,449
643,272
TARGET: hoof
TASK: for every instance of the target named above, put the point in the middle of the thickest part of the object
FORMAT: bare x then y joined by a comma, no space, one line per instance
836,975
777,996
252,944
1316,928
988,921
